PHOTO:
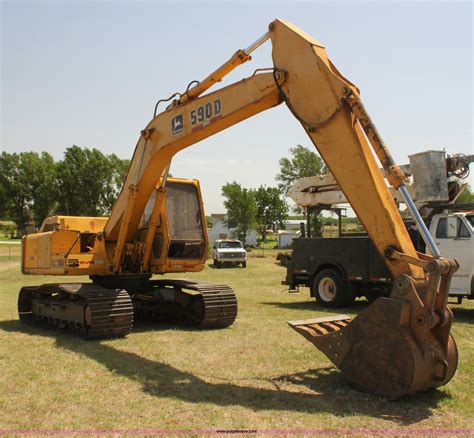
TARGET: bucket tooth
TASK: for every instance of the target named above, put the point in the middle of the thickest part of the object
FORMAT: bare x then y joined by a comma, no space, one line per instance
325,334
379,352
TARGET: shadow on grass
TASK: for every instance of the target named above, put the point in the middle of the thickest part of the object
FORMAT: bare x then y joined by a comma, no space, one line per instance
463,315
312,306
332,394
145,323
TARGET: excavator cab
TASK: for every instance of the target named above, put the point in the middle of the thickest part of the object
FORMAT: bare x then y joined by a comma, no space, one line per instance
181,234
185,221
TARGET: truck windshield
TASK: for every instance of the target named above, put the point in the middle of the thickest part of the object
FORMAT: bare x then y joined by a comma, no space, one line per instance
230,245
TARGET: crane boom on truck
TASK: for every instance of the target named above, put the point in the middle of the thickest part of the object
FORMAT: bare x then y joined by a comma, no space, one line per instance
430,172
121,253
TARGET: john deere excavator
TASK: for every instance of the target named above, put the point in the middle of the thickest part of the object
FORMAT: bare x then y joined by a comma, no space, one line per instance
398,345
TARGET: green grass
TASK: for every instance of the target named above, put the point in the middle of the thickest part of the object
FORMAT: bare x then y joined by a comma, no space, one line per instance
257,374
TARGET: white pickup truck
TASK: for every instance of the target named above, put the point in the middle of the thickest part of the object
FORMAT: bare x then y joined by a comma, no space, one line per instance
230,252
454,235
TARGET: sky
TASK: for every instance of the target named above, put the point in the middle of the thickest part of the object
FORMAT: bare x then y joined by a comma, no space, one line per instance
90,72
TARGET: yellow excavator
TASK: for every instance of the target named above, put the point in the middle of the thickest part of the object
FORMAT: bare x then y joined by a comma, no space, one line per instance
396,346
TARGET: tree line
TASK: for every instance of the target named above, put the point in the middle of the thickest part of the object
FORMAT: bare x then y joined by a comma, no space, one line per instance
34,186
260,208
86,182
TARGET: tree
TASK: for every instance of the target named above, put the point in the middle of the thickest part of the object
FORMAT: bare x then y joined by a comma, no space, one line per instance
43,188
466,197
271,208
4,201
89,181
33,186
119,172
240,205
16,189
302,163
317,225
27,187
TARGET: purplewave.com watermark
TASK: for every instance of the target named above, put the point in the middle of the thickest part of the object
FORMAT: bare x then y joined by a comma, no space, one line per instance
299,432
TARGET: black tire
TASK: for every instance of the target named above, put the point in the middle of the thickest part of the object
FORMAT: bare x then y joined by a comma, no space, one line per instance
214,262
244,264
330,290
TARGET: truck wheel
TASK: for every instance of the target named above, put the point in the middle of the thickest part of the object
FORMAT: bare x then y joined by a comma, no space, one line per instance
244,264
330,290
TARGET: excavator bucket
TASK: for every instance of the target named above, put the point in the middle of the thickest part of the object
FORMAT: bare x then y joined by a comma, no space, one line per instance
380,352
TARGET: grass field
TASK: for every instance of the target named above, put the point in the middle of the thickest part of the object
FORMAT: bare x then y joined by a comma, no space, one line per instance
257,374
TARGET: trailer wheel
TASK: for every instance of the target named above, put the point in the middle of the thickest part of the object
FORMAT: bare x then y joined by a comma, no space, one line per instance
330,290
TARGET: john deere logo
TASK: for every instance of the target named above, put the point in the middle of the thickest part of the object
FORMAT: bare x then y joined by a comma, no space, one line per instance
177,124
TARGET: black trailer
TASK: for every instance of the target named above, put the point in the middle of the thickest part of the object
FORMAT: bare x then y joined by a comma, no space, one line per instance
337,270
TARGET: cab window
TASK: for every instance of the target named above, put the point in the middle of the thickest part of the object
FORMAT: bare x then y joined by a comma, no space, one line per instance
452,227
470,219
442,229
463,232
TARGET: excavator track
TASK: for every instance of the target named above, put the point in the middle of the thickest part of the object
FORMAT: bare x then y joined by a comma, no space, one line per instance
211,306
83,308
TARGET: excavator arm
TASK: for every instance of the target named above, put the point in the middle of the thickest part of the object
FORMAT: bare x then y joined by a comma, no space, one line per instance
398,345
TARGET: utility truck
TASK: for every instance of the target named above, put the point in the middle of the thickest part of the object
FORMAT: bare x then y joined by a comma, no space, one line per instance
339,269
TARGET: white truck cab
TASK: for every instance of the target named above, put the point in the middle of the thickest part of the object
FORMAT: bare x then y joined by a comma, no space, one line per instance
227,251
454,235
